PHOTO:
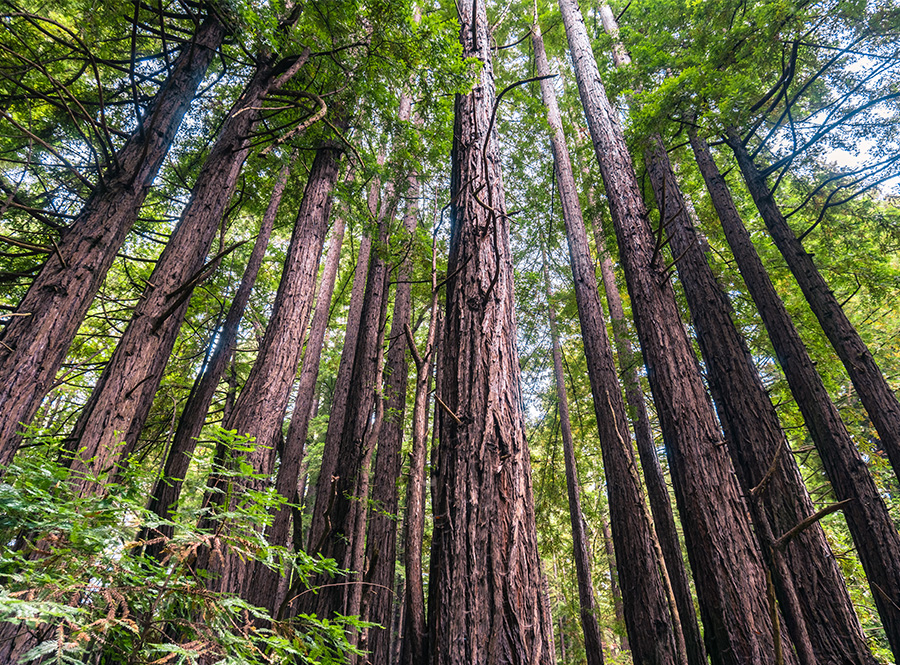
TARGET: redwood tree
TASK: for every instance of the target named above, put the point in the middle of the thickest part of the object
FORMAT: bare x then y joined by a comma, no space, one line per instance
33,345
651,630
486,591
729,572
123,395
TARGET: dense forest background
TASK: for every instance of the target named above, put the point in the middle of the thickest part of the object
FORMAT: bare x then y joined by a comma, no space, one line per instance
493,332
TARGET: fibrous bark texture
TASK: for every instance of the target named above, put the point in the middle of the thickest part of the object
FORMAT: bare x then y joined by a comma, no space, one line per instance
876,539
264,587
486,593
874,392
260,407
325,484
165,495
350,493
122,398
822,612
381,544
647,619
593,645
729,572
34,346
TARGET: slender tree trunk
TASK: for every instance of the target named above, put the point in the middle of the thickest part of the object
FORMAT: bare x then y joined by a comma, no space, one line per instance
397,622
657,491
823,612
870,525
359,513
729,572
877,397
325,484
33,347
614,590
260,407
414,649
338,535
655,482
122,398
646,612
381,545
164,498
264,588
486,594
593,645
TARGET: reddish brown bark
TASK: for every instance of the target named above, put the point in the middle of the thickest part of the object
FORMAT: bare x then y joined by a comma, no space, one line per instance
871,528
655,482
325,484
165,495
33,347
122,398
593,645
614,590
414,649
259,410
381,544
879,400
265,584
350,477
486,592
816,615
729,572
647,619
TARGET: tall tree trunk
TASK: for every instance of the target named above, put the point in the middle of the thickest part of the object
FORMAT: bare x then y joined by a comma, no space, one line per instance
325,485
338,535
614,589
259,410
381,544
874,392
655,482
657,492
164,498
823,611
593,645
122,398
729,572
646,612
414,649
264,588
486,594
870,525
33,347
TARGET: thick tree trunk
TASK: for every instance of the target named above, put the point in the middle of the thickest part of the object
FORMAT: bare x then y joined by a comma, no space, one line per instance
122,398
486,593
655,482
165,495
647,619
325,485
264,588
729,572
381,544
337,538
33,347
870,525
874,392
823,611
593,645
260,407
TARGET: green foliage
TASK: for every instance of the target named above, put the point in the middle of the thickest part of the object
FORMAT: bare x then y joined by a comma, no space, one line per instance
79,584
